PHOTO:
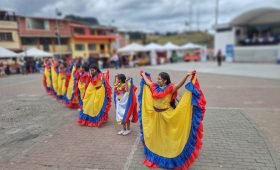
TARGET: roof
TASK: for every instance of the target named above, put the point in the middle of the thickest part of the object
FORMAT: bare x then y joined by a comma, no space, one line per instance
154,46
5,53
134,47
94,36
7,10
38,17
190,46
257,16
35,52
171,46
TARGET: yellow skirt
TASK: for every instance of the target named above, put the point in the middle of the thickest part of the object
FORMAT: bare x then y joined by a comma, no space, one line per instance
172,137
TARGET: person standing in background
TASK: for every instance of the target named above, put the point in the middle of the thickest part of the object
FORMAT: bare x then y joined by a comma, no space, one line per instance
219,58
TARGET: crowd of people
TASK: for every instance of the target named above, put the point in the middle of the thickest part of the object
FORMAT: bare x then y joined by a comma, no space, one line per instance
165,122
20,66
259,38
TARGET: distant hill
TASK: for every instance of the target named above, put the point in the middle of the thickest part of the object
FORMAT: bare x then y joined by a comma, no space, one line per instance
203,38
84,20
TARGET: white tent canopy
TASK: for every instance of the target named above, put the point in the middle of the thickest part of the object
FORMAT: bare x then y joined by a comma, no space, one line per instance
189,46
34,52
5,53
154,47
171,46
134,47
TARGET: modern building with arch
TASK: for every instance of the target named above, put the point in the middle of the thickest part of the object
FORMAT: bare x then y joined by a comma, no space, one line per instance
253,36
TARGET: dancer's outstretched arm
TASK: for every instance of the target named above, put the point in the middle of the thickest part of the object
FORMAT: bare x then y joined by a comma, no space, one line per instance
148,81
182,82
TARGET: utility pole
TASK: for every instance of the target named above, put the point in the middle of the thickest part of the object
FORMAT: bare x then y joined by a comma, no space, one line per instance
58,14
198,18
190,15
216,12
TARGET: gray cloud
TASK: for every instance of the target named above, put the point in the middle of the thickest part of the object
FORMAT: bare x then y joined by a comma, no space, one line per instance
145,15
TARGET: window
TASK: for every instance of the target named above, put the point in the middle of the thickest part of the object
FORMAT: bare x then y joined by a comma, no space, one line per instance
6,36
92,32
92,47
79,31
79,47
45,41
101,32
63,41
28,41
102,47
37,24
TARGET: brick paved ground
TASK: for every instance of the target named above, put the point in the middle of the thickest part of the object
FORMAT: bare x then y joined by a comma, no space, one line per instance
230,141
241,128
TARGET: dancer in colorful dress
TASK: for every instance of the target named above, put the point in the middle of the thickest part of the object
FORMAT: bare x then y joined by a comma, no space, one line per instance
47,76
71,97
83,76
172,135
97,99
61,81
54,77
125,102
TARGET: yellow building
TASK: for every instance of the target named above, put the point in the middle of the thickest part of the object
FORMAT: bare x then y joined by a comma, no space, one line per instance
91,41
9,36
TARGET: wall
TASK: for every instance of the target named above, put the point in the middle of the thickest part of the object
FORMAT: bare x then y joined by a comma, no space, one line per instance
86,52
222,39
64,28
12,27
259,54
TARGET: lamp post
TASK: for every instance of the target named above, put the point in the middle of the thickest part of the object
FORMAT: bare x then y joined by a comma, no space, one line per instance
58,14
216,12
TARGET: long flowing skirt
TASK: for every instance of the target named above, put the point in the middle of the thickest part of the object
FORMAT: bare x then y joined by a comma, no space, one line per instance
172,138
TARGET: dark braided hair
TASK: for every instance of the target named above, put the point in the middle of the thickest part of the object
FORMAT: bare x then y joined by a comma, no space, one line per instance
93,66
86,67
121,77
165,76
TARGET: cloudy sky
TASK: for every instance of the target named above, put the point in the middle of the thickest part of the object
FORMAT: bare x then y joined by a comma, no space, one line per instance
144,15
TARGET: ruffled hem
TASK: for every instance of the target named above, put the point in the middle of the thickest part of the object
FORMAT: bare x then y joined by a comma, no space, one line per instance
150,164
73,105
191,150
84,119
131,106
93,124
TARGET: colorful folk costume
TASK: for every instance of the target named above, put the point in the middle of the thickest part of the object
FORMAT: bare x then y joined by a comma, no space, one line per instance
125,102
96,101
83,79
172,138
71,97
54,79
47,79
61,81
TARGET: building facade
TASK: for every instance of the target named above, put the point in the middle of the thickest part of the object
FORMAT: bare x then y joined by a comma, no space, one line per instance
253,36
61,37
48,34
9,37
96,41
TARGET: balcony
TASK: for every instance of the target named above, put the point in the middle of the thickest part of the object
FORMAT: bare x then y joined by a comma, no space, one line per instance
62,48
8,24
100,37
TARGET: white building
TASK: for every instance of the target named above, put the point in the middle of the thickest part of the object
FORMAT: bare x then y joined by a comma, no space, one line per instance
253,36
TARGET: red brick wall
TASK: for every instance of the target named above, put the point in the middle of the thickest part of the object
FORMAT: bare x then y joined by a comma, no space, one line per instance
64,28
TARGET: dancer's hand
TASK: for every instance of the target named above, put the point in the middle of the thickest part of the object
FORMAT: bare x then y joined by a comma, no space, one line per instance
128,78
142,73
191,73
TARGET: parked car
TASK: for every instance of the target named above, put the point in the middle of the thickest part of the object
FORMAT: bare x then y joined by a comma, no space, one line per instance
192,56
